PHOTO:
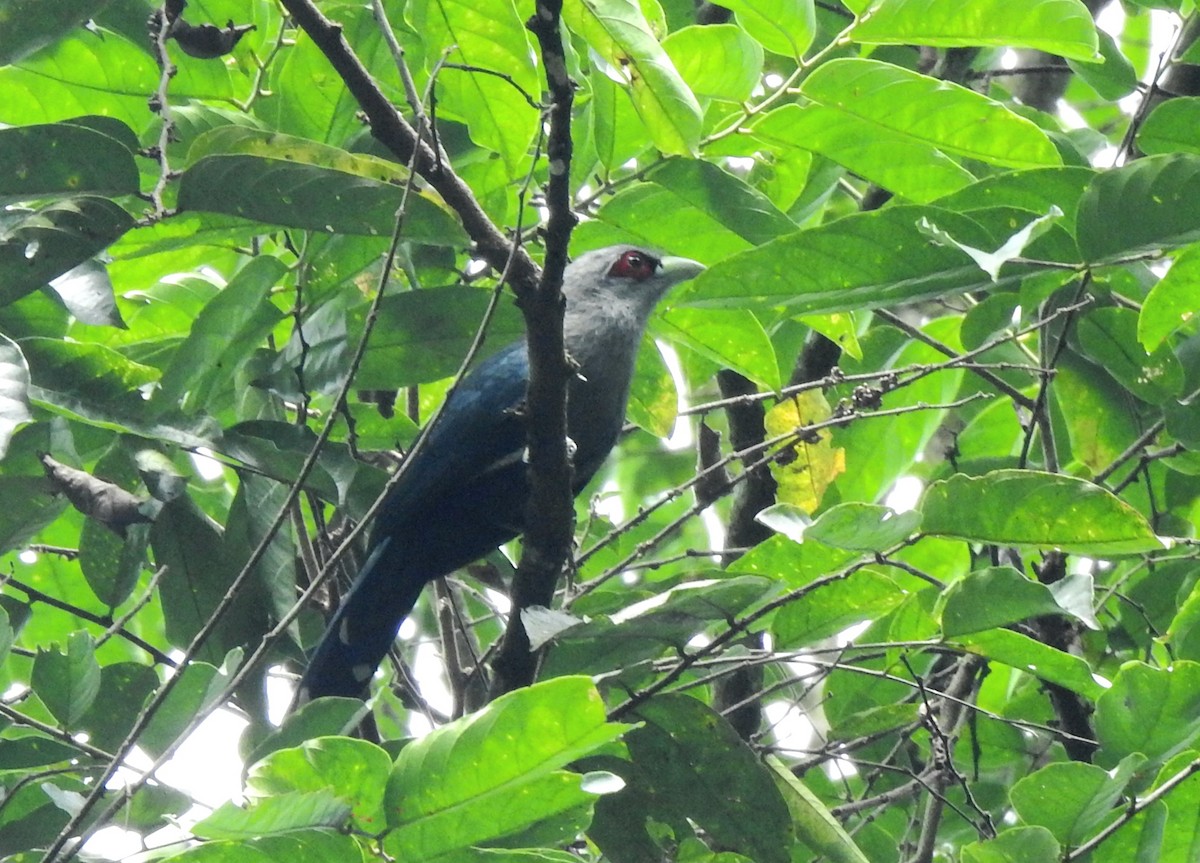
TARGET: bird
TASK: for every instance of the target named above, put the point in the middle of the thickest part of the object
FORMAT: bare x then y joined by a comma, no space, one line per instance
465,491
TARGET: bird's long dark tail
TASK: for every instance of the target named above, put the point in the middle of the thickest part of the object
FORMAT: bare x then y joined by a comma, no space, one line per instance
364,627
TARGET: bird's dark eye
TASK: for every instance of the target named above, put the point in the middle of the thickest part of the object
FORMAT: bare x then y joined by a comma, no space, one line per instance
634,265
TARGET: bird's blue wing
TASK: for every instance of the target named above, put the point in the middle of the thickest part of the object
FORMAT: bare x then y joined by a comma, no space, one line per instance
468,451
463,494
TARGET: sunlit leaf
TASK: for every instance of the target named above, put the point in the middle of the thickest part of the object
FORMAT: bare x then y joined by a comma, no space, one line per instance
952,118
501,115
911,168
786,27
1070,800
1055,26
617,30
1022,507
718,61
437,802
1171,304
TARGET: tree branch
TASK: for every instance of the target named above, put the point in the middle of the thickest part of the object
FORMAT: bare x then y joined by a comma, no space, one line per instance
549,515
399,136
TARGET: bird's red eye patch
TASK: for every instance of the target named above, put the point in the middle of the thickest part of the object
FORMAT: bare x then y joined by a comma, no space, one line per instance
634,265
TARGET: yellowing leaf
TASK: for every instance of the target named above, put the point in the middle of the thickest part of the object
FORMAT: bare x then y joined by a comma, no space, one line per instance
806,467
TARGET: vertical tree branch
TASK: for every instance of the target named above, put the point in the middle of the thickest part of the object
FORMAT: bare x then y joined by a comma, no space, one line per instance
550,513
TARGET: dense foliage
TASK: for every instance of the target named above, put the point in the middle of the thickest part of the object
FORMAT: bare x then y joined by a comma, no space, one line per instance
896,563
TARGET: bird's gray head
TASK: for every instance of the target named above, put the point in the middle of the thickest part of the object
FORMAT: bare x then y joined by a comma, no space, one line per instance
628,277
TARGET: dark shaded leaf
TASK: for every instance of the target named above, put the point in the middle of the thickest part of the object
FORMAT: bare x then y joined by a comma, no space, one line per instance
37,246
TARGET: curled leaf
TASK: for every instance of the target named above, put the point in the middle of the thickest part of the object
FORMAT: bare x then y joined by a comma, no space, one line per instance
109,504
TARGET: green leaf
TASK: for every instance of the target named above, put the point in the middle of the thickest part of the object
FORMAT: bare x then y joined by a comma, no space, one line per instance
38,245
718,61
111,563
653,399
196,690
251,516
278,450
31,817
1109,337
1168,128
1096,411
317,845
14,391
422,336
229,328
233,140
796,564
1013,247
944,115
1171,304
297,195
1159,201
1015,845
618,31
352,771
617,131
667,624
310,99
279,813
124,688
153,807
1035,191
488,36
163,480
186,540
737,206
1042,661
1114,77
636,215
693,208
1155,837
1070,799
863,527
879,451
909,167
994,597
862,261
22,753
1154,711
1023,507
7,635
814,824
438,801
835,605
63,159
688,766
67,683
1055,26
785,27
733,339
85,378
29,25
321,717
98,69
